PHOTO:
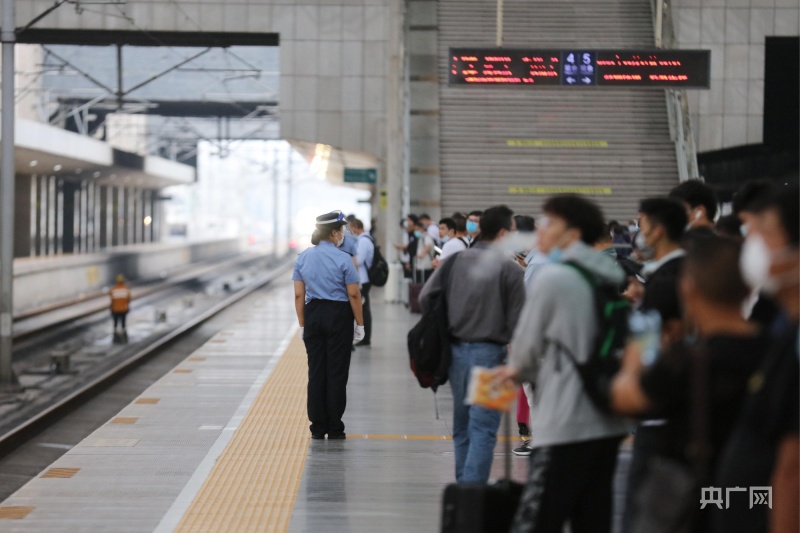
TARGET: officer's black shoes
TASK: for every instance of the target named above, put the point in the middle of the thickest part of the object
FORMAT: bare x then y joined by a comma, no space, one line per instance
340,436
363,344
318,437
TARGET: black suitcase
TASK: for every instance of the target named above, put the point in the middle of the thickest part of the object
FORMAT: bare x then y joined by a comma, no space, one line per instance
478,508
414,288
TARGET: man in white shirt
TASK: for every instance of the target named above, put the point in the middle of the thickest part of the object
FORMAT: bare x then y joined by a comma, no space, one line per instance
364,256
453,233
431,228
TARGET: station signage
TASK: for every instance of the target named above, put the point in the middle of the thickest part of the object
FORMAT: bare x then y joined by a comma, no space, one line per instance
688,69
360,175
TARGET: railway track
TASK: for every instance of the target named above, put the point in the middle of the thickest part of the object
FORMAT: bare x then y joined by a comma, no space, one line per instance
83,390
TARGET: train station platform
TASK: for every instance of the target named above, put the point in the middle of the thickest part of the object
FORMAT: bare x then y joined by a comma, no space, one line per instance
221,443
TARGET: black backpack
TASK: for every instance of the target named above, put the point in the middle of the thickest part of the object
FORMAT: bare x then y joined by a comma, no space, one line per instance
378,271
612,312
429,341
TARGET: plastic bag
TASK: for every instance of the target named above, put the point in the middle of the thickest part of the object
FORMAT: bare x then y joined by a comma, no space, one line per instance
486,392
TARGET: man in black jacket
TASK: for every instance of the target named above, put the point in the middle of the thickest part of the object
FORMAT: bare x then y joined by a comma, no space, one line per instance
661,225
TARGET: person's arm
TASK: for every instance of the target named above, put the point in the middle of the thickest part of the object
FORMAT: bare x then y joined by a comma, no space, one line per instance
434,284
354,294
427,249
786,487
361,252
300,302
627,396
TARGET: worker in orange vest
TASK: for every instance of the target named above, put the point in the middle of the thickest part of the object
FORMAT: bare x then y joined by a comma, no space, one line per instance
120,300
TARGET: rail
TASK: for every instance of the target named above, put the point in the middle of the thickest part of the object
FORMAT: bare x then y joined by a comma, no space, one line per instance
16,436
680,120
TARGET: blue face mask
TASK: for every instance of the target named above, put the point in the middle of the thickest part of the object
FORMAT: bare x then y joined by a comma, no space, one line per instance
445,238
418,234
472,226
555,255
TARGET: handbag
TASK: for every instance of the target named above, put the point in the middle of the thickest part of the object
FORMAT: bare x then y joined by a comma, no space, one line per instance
668,501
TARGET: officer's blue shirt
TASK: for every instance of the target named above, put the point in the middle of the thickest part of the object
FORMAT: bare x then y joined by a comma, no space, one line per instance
350,245
326,271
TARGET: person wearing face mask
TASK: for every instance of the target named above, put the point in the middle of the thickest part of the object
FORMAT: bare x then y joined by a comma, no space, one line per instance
484,295
764,449
452,232
574,444
327,300
712,291
474,226
760,307
661,225
700,202
423,266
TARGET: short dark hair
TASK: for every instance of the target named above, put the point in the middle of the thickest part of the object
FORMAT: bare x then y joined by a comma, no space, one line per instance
748,194
524,222
784,200
665,212
413,218
495,219
729,226
461,223
458,214
714,267
357,223
449,222
350,217
580,213
696,194
425,215
605,233
478,214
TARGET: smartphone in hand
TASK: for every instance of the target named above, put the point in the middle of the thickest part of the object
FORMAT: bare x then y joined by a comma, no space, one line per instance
645,331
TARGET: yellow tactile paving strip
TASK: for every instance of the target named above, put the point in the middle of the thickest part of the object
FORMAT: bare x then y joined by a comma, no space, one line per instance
254,483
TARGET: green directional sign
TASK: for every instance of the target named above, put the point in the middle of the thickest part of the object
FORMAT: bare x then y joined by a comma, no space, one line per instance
360,175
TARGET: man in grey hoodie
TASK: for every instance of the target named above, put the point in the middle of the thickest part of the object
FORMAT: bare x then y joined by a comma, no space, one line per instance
574,443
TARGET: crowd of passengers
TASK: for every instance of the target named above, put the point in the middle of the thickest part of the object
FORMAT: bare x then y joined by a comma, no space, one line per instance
718,400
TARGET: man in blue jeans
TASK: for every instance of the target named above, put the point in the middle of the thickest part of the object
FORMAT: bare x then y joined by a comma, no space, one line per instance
485,294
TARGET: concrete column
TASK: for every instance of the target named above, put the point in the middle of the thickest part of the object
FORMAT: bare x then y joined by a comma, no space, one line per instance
394,165
56,216
67,217
37,208
130,213
22,216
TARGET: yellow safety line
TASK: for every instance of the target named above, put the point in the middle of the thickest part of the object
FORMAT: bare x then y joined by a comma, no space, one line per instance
254,483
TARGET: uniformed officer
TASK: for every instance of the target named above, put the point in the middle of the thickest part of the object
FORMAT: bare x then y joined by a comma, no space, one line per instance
327,299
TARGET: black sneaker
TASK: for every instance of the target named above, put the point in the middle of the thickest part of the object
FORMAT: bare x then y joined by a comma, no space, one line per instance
340,436
525,450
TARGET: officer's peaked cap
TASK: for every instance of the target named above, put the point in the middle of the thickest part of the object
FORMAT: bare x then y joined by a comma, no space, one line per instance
334,218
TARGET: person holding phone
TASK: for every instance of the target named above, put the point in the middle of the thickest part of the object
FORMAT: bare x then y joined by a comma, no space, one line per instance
654,384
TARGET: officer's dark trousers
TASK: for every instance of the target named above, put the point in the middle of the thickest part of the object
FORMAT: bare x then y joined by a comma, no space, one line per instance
328,337
367,310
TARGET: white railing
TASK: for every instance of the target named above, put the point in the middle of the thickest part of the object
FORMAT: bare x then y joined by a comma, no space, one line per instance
680,121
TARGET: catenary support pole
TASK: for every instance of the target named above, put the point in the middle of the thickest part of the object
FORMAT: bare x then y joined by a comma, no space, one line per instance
8,38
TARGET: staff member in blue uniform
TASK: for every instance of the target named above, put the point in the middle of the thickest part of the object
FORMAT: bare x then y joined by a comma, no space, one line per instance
327,300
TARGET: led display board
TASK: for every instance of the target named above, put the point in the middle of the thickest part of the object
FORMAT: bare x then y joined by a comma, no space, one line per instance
689,69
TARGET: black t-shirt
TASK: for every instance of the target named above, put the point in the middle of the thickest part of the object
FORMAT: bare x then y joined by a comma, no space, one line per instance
770,413
668,385
661,290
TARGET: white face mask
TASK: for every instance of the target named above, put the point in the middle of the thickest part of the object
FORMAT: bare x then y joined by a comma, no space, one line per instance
754,262
340,242
640,241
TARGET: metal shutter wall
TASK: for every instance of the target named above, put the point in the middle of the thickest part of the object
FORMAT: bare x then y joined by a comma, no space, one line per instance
477,164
